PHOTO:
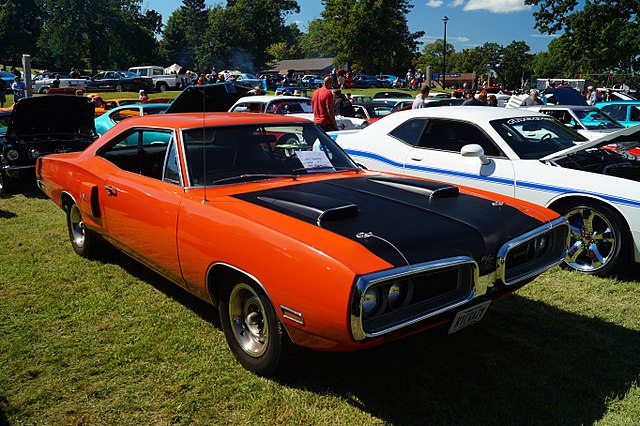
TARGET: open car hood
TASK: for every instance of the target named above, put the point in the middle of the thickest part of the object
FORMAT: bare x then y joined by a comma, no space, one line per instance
217,97
50,115
625,139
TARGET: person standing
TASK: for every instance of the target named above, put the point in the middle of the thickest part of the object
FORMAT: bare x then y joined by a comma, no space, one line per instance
142,96
3,91
592,96
341,105
322,104
533,99
56,82
471,100
418,102
19,89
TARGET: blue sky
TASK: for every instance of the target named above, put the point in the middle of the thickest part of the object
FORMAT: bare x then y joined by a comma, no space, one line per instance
471,22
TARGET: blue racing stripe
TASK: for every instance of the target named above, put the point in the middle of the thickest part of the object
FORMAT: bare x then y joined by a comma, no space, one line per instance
494,180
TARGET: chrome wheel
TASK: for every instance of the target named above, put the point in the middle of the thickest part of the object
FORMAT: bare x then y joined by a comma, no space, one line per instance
594,240
249,322
76,227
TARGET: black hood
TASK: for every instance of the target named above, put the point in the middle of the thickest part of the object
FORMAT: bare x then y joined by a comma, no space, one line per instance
421,219
218,97
51,115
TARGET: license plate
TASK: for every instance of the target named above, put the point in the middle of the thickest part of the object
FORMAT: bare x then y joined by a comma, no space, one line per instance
469,316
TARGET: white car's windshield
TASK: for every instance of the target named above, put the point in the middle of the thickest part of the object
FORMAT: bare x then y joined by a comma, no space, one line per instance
233,154
536,137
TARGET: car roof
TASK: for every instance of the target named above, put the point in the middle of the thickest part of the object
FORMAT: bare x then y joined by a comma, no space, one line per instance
190,120
269,98
474,114
618,103
571,107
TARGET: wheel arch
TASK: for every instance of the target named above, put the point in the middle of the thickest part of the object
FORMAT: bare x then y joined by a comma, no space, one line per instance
220,275
571,199
66,200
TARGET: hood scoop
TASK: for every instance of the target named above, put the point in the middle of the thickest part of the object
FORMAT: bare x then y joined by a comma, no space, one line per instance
311,206
426,188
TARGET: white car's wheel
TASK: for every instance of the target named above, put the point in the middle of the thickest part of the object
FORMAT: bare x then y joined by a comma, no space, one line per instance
599,239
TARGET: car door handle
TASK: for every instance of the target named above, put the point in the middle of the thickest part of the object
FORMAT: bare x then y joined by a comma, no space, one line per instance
416,158
112,192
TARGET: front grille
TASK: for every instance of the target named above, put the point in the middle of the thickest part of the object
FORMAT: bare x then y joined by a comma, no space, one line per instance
534,252
430,289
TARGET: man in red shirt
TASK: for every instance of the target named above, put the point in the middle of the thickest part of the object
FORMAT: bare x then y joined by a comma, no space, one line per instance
322,103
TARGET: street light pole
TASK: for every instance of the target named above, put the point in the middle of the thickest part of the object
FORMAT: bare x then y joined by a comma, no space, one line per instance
444,53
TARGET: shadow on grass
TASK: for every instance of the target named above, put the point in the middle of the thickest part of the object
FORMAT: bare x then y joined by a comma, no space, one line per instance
26,187
525,363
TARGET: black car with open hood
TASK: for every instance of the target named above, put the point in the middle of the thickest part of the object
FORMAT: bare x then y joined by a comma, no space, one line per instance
43,125
216,97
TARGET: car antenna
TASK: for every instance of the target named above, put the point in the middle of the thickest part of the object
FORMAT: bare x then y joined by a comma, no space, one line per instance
204,147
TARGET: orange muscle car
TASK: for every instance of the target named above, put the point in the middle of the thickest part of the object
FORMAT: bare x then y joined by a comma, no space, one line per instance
266,218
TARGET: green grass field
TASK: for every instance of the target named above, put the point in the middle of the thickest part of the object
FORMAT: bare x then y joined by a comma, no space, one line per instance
111,343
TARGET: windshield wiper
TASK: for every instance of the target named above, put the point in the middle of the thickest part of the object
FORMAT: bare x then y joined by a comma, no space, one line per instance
254,176
335,169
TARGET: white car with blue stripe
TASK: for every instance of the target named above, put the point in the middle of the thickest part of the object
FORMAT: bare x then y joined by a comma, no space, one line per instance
526,155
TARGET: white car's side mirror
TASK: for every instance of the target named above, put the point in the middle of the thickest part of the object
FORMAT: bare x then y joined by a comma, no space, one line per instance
474,150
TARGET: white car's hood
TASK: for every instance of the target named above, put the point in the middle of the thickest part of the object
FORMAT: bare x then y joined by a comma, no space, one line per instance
629,134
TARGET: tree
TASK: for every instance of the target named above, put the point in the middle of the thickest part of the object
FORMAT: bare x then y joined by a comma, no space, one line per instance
20,23
97,33
515,63
355,24
432,56
481,60
173,45
316,42
239,35
601,36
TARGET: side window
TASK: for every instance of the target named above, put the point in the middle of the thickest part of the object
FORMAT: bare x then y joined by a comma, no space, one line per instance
142,72
634,114
141,151
449,135
171,168
409,132
617,112
157,72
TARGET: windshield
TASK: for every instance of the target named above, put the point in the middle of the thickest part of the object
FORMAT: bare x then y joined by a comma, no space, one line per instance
536,137
128,74
597,120
233,154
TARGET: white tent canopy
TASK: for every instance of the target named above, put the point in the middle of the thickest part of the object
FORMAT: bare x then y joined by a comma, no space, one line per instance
173,69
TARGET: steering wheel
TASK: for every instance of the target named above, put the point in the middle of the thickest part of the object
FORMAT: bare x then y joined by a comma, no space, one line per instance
546,136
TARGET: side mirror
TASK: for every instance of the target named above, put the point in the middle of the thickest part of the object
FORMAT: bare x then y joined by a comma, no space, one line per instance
474,150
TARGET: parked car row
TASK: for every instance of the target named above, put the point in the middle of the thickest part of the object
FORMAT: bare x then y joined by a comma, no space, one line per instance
240,209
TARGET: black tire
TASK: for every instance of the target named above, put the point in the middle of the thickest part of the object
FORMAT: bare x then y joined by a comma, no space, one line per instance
6,183
252,328
83,241
118,88
600,242
162,87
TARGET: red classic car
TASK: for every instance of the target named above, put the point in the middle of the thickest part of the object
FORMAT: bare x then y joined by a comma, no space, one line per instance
266,218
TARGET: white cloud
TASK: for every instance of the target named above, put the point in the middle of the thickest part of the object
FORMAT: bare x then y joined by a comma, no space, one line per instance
496,6
435,3
456,3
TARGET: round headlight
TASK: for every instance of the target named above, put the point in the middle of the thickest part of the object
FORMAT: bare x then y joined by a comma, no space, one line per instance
372,302
34,153
399,294
12,155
